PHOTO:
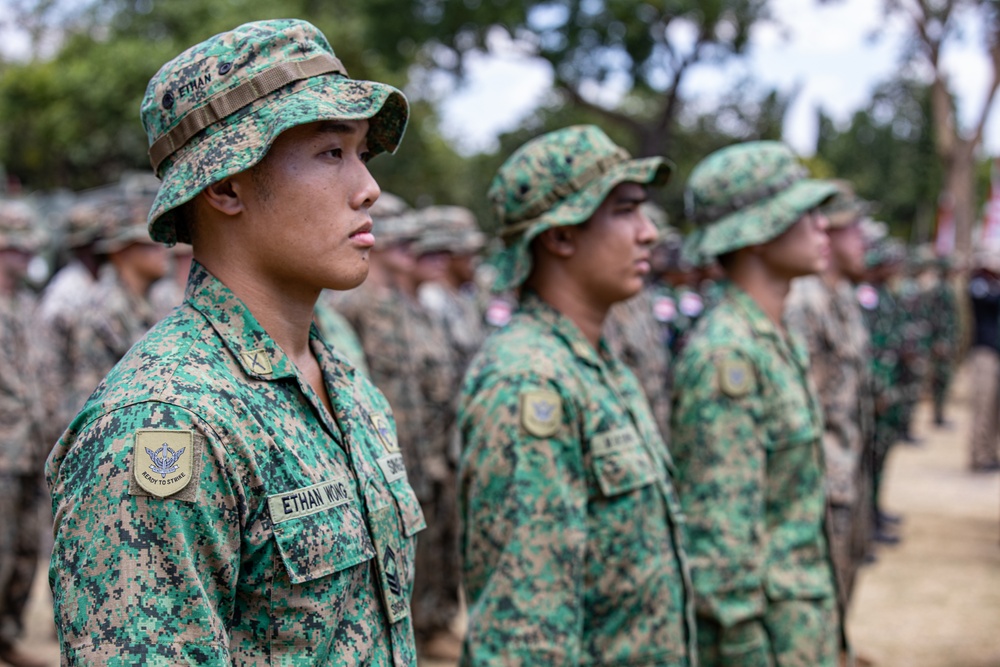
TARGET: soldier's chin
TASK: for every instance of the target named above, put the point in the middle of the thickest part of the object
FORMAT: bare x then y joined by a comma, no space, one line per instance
351,279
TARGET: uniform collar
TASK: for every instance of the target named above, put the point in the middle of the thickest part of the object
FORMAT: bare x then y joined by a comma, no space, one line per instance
762,325
257,353
565,329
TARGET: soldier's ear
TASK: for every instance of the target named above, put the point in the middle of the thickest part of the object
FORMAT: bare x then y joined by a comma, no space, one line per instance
559,241
225,196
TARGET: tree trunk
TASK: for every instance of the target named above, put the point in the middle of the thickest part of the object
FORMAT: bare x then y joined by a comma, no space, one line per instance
960,184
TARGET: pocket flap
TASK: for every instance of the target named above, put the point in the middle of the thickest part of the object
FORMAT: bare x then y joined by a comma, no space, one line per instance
621,462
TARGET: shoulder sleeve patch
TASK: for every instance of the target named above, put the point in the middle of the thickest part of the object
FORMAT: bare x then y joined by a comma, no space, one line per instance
164,462
541,412
735,377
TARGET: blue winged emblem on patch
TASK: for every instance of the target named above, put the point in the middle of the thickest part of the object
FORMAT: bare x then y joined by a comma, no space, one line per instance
164,459
543,410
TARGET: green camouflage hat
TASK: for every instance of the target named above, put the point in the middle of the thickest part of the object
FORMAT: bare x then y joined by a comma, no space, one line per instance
83,223
559,179
845,207
20,227
124,221
747,194
214,110
449,229
886,250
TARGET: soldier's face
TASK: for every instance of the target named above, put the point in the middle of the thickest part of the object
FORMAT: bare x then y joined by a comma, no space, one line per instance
613,248
847,250
308,225
803,249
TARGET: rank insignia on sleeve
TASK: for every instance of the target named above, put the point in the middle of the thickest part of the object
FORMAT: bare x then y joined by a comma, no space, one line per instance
541,412
163,461
735,377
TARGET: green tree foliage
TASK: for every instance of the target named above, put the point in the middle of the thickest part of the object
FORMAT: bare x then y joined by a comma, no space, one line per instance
649,48
887,152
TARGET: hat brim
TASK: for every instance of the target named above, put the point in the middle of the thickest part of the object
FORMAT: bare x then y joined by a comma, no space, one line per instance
514,262
758,223
240,141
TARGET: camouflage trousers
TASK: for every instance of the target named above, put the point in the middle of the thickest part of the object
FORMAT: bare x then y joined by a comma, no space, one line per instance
984,445
21,506
436,581
794,633
942,371
849,533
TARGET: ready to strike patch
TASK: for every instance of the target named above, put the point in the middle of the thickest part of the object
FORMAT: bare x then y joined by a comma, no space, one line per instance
162,462
310,499
541,412
384,431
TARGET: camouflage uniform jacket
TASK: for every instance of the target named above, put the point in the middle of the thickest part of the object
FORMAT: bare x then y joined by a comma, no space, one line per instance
634,336
830,321
882,315
337,331
293,541
461,315
746,429
571,539
23,447
114,320
945,322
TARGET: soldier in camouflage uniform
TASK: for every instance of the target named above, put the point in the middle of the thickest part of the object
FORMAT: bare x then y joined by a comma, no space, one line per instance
571,543
23,449
984,361
410,361
824,310
747,424
233,492
884,320
945,334
118,311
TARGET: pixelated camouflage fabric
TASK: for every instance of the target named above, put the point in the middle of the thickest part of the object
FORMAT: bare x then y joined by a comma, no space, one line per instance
571,544
210,575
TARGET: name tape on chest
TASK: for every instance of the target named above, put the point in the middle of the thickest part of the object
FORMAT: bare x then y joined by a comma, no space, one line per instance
541,412
163,461
616,440
310,499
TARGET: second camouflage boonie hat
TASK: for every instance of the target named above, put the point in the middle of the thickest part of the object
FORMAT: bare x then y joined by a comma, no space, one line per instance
20,226
449,229
124,222
214,110
845,207
747,194
558,179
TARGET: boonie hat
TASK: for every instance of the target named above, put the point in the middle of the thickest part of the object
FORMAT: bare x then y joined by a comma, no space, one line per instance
557,179
124,222
214,110
747,194
449,229
19,226
845,207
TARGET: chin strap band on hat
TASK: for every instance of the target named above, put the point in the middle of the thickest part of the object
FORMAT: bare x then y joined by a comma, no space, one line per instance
530,214
215,109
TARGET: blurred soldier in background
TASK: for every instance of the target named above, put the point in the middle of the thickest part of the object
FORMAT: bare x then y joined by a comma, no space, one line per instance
168,292
454,298
945,334
571,547
118,312
984,359
915,352
677,305
824,310
747,426
410,360
23,446
885,330
61,308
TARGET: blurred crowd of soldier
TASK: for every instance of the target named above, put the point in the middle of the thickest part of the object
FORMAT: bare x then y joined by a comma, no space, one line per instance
881,332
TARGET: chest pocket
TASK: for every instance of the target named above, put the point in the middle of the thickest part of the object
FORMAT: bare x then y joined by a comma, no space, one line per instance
319,530
620,461
409,507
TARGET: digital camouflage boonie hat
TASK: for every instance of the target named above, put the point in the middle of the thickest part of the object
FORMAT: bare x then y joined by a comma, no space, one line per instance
845,207
559,179
20,227
214,110
747,194
124,221
449,229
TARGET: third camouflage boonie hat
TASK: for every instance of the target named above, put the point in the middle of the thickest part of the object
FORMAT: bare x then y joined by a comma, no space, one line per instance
845,207
214,110
20,226
747,194
449,229
558,179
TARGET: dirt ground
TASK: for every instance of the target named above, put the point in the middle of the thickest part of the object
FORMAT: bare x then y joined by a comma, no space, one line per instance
931,601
